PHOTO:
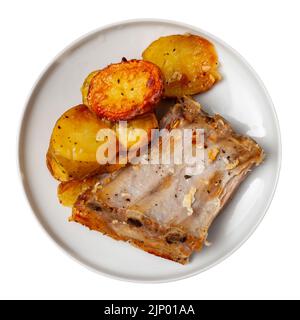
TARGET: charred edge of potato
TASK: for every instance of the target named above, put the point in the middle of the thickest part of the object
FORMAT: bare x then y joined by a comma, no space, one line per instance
124,90
188,62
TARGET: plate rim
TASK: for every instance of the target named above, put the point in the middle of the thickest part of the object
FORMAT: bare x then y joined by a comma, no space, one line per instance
26,109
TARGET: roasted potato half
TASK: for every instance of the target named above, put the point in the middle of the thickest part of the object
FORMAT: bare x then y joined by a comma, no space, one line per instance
73,145
188,62
74,134
123,90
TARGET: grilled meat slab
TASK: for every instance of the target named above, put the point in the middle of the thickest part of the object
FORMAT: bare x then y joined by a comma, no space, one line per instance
160,209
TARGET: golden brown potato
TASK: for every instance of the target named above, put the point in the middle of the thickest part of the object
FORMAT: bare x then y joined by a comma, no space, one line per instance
74,134
55,168
86,85
133,135
124,90
69,191
64,169
188,62
73,145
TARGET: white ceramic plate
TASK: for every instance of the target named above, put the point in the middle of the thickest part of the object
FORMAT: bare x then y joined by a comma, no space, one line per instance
240,97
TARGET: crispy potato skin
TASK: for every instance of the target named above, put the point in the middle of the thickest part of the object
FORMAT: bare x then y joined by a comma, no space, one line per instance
188,62
124,90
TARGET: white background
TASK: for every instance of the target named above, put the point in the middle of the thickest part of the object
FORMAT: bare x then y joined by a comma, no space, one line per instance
265,32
